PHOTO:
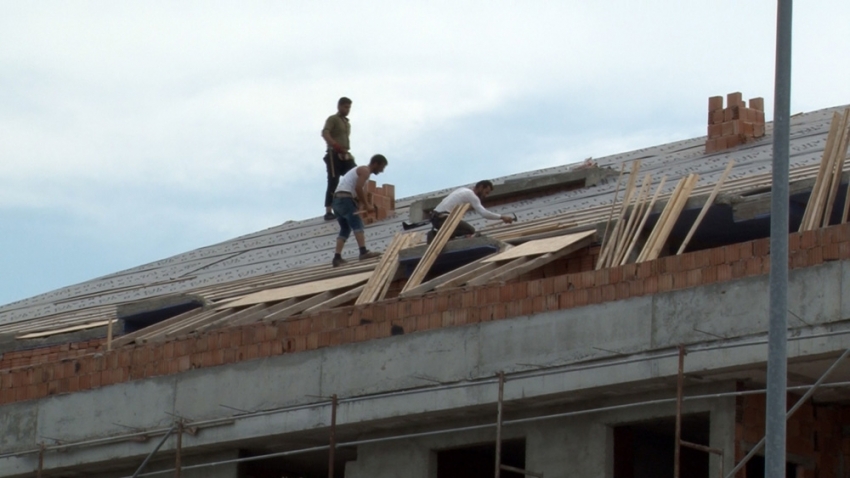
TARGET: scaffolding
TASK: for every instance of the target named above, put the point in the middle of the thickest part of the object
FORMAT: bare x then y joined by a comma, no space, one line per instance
182,425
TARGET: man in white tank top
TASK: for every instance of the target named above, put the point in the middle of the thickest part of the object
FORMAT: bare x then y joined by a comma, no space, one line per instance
349,202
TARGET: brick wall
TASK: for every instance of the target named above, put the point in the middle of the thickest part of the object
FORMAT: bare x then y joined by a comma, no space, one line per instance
69,371
815,433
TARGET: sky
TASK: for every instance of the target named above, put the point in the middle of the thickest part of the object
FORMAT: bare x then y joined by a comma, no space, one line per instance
133,131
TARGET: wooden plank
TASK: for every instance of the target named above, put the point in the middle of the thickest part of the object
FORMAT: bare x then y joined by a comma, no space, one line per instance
678,205
661,220
129,338
640,227
614,202
485,277
299,306
708,203
385,270
607,248
838,160
628,231
808,216
451,278
48,333
436,247
540,246
336,301
299,290
541,261
483,268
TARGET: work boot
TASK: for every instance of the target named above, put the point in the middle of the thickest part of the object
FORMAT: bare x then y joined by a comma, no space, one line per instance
329,216
338,261
369,255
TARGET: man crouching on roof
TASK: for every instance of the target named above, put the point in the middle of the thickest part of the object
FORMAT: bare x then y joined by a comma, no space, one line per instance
461,196
349,202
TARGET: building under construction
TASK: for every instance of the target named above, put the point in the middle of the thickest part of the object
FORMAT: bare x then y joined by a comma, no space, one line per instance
617,329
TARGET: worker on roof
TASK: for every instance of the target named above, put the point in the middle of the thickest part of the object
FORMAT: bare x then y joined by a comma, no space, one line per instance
338,159
460,196
350,202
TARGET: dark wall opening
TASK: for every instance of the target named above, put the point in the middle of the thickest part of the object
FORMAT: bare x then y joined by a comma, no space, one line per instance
479,461
646,449
755,468
308,465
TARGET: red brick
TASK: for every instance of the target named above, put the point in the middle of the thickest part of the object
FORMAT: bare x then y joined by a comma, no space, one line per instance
665,282
715,103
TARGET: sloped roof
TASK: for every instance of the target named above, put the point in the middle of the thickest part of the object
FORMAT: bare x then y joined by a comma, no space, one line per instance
309,243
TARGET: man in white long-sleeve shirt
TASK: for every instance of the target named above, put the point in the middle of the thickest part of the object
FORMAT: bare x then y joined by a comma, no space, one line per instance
460,196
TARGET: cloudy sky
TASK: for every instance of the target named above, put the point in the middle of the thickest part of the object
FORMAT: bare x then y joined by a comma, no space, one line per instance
132,131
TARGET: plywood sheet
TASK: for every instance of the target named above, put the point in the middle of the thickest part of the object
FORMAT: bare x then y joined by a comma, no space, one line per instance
299,290
541,246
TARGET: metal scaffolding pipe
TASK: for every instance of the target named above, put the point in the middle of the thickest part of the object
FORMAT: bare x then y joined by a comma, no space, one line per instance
680,382
660,401
332,440
499,424
152,453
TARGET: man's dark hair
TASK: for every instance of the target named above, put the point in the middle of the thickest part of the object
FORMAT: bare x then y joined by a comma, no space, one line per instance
484,184
379,159
343,101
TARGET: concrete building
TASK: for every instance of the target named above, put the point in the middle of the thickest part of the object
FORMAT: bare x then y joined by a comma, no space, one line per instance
162,363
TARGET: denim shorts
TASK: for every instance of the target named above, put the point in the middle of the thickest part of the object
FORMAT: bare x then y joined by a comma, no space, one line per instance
345,209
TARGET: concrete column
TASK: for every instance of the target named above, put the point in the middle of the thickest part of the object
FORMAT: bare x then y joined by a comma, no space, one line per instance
390,460
568,448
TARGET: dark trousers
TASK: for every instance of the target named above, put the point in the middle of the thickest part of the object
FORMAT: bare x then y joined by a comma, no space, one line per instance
463,228
336,168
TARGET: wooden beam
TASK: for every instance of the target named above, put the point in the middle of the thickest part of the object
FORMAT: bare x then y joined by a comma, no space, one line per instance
336,301
708,203
299,306
838,160
485,277
458,280
436,247
628,232
671,219
643,220
300,290
809,216
385,270
607,248
538,262
132,336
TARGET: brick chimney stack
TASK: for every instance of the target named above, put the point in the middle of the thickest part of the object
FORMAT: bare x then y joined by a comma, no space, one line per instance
734,125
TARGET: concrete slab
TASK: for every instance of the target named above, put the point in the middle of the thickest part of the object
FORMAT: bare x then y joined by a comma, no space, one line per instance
113,410
18,427
566,336
407,361
251,386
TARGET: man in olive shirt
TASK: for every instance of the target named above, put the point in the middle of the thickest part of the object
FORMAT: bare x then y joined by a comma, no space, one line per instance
338,160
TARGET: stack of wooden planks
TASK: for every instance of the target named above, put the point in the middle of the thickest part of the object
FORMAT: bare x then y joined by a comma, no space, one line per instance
822,200
379,282
661,232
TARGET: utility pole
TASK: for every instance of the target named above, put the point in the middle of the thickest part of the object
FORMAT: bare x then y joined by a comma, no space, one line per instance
777,355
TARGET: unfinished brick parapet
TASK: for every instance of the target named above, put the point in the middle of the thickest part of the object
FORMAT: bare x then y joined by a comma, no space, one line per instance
87,366
815,433
735,124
